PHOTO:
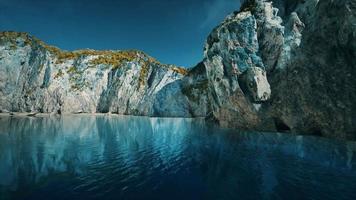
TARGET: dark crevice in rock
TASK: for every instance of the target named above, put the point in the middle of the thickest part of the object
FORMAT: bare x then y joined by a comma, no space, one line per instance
151,78
316,132
281,126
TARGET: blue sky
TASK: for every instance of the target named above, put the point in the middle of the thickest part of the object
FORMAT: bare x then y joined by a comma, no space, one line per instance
173,31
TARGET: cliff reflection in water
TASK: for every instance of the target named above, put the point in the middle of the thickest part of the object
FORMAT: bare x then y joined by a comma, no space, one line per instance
139,157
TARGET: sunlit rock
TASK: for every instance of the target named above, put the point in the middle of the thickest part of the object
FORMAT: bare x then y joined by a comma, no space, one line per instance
36,77
256,83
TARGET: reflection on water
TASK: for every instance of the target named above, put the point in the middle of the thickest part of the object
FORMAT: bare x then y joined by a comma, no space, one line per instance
95,157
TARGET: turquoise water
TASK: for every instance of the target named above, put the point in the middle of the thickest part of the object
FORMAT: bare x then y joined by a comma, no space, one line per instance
120,157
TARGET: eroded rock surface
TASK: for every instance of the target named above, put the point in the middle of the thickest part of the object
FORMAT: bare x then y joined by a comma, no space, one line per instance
308,53
315,91
37,77
231,53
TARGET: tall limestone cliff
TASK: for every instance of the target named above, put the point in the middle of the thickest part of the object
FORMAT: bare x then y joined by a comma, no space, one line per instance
281,65
36,77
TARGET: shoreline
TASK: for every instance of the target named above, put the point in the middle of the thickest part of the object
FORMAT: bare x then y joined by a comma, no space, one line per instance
55,115
33,114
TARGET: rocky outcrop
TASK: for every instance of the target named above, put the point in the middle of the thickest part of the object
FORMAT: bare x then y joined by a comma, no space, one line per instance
187,96
307,52
236,72
315,91
285,65
36,77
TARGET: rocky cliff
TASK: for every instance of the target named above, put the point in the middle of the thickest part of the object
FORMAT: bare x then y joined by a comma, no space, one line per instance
305,56
285,65
36,77
315,88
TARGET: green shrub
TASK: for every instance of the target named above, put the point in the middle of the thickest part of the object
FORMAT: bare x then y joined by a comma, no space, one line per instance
143,74
72,70
180,70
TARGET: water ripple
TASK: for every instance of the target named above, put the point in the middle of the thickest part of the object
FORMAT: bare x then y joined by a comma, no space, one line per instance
95,157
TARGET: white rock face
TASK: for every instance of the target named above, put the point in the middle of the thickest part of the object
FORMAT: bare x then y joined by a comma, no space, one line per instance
187,96
257,85
235,69
38,78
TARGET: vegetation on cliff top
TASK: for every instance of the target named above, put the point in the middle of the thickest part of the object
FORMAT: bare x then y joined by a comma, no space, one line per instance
113,59
107,57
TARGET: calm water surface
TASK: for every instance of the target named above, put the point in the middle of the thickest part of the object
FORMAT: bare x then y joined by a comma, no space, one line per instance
103,157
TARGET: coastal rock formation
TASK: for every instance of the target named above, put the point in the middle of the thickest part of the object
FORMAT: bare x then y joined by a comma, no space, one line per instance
236,72
36,77
308,53
315,91
187,96
281,65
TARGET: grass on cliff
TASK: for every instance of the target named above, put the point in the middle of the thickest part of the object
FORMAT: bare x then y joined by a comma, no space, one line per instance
115,59
145,67
11,37
180,70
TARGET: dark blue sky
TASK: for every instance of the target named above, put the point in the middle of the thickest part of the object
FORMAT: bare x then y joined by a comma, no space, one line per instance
173,31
